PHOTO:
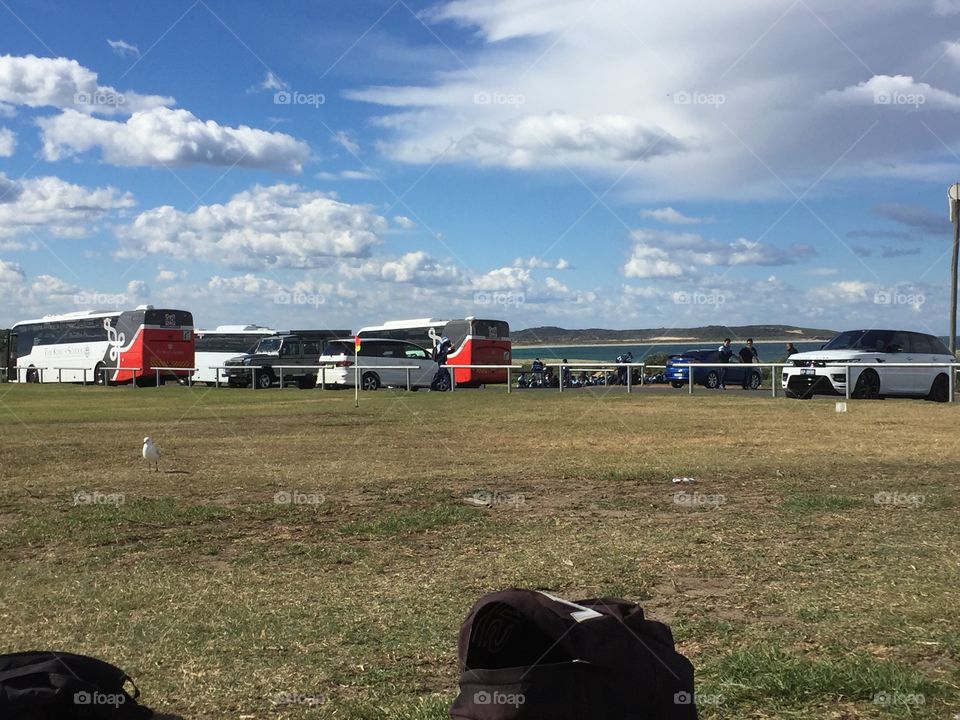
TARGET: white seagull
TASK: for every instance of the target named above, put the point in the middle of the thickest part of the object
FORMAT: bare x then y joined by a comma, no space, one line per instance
151,453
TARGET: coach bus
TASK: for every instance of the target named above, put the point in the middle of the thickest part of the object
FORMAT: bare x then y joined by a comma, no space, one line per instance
474,342
104,346
215,347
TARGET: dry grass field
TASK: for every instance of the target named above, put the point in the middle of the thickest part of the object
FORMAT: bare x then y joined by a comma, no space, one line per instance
813,575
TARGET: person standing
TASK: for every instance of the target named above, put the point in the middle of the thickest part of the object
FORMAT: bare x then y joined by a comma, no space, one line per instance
726,352
791,349
748,354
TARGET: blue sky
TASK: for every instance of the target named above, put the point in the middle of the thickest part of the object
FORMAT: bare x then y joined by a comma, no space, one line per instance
578,162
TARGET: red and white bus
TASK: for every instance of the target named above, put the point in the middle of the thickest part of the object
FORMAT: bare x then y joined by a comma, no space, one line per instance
99,346
474,342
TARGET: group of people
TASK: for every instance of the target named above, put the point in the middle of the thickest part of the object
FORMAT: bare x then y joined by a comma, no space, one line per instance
748,354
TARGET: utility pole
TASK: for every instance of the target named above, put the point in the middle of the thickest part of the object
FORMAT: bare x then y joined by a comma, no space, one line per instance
953,200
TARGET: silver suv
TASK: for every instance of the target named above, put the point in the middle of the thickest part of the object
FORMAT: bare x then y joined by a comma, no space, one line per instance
823,371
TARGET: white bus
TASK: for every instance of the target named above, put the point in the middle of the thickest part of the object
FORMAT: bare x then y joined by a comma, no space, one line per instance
103,346
215,347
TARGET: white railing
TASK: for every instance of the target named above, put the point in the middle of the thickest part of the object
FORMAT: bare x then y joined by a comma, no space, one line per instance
775,381
321,371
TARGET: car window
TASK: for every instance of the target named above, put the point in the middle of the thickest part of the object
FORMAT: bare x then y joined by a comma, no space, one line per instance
290,348
338,348
899,342
920,343
937,346
311,347
414,352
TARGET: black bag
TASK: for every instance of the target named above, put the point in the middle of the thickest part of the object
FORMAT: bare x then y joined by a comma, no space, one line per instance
528,655
63,686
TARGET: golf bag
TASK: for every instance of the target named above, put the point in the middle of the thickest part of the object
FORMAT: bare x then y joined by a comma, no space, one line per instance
526,655
64,686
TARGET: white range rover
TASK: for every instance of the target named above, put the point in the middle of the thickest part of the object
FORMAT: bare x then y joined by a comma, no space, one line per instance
823,371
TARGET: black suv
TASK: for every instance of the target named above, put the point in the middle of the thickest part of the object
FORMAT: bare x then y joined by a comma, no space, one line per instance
283,354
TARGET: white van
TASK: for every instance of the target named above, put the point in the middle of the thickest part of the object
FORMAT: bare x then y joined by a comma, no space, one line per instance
383,363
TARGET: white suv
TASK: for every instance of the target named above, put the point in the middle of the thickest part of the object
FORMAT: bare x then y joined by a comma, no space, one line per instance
383,362
822,372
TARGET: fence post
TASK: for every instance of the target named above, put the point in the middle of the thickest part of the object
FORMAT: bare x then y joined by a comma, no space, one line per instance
629,378
643,370
952,384
59,376
773,379
453,379
408,379
508,379
280,368
216,377
323,377
253,377
84,377
561,377
690,377
157,371
846,372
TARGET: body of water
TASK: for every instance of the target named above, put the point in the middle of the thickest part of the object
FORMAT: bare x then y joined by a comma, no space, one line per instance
768,351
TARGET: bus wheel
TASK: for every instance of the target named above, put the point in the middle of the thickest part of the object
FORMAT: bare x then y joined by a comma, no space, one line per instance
99,378
370,381
33,375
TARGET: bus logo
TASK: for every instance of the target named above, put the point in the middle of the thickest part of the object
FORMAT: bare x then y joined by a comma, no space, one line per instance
170,320
115,340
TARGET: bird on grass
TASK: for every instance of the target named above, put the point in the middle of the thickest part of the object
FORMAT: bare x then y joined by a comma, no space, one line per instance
151,453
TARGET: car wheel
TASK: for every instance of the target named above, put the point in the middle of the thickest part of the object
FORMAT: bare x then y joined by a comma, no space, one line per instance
264,379
677,384
868,386
755,381
713,380
940,390
307,383
370,381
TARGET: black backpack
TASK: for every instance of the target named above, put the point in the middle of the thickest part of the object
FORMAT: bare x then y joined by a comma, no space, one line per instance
63,686
528,655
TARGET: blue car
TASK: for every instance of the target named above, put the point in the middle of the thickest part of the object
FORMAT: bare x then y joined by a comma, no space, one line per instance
734,372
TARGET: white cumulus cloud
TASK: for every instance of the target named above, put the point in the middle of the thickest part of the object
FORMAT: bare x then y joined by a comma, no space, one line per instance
275,226
164,136
8,142
64,83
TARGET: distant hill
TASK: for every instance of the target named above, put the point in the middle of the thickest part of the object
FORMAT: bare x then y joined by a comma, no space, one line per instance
550,335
